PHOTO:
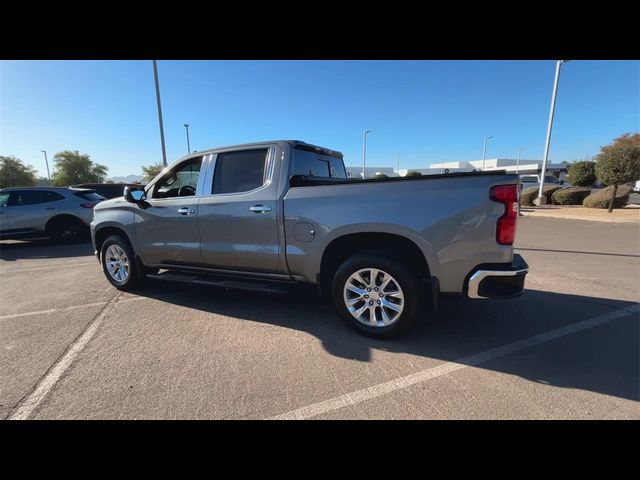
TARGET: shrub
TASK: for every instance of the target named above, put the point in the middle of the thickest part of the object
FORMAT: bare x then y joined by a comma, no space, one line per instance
601,198
413,173
528,195
570,196
582,174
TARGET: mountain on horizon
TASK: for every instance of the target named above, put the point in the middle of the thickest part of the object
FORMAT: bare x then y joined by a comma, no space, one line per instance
127,179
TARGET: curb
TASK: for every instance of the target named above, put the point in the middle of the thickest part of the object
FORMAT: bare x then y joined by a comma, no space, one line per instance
612,219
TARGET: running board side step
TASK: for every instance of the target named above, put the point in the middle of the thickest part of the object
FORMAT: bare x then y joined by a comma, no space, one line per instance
210,280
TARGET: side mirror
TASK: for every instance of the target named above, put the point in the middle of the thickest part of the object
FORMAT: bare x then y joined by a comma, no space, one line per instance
134,195
561,182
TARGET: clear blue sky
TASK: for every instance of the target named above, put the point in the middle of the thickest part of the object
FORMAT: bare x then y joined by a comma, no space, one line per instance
428,110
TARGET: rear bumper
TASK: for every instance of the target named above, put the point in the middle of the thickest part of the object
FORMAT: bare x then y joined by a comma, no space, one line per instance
498,281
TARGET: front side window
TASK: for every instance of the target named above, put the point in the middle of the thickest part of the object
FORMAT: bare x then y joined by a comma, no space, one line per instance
241,171
181,181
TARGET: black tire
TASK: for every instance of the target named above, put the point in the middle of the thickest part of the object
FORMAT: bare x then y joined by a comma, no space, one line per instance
408,283
133,277
68,230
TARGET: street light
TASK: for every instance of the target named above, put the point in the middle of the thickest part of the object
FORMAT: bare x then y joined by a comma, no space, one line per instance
484,150
47,163
518,162
186,126
542,200
398,164
364,151
155,76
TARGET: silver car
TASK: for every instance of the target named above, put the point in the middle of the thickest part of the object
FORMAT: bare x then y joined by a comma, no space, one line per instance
61,213
528,181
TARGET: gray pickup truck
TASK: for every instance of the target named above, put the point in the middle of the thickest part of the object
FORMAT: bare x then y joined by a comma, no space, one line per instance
266,215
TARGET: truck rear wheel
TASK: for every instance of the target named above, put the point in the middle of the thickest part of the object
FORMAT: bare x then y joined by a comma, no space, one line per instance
375,295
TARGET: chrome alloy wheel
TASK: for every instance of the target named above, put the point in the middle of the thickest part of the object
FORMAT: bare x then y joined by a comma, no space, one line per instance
117,263
373,297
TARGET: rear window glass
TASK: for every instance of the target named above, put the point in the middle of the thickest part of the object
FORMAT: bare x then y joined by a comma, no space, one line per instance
91,196
313,164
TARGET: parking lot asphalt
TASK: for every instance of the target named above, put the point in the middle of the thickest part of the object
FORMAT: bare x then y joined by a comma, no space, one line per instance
71,346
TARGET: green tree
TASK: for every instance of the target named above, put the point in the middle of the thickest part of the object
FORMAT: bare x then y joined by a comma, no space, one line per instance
413,173
14,173
74,167
151,171
619,163
582,174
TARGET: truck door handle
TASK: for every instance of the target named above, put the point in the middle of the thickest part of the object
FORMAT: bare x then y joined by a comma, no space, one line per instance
186,211
260,209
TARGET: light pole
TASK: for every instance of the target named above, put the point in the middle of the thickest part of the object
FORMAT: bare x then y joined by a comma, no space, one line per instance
46,161
155,76
186,126
484,150
364,150
518,161
542,200
398,164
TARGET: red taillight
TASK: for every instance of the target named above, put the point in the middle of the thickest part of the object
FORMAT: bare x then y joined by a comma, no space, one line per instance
506,227
89,205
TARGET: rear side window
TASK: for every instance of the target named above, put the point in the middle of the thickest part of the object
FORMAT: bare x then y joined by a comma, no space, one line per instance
4,199
52,197
313,164
91,196
240,171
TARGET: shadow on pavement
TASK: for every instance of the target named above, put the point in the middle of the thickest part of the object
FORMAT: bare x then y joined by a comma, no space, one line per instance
42,248
603,359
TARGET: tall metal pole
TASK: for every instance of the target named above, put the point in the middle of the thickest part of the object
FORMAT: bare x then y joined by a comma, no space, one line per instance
155,75
46,161
364,151
186,126
484,150
398,164
518,162
542,200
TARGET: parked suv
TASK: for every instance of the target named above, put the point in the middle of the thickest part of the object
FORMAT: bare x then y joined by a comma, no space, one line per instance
108,190
61,213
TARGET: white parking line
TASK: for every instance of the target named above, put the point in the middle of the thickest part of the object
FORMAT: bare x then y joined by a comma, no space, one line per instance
365,394
96,304
62,265
29,404
51,310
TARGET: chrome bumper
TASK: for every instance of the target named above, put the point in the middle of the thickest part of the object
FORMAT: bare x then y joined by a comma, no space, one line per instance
498,282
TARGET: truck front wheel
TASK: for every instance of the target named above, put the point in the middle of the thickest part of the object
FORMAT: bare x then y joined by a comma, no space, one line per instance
117,258
375,295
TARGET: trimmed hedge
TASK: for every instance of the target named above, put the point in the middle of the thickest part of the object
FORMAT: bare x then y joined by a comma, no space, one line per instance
570,195
528,195
601,198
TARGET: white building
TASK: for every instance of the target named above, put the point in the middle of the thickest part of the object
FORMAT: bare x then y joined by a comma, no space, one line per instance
508,164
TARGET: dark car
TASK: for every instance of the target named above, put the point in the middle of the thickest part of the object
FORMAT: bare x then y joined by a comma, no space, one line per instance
107,190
